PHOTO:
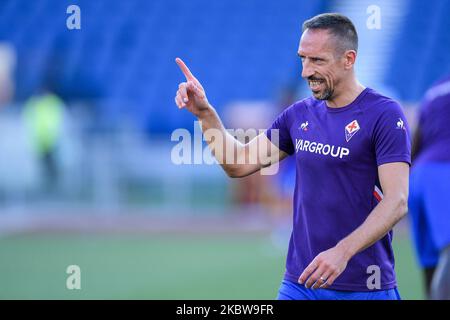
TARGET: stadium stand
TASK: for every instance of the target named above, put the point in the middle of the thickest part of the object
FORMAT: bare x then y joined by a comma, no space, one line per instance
123,56
421,50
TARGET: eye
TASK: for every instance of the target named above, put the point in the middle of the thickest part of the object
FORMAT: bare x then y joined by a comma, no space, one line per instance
317,60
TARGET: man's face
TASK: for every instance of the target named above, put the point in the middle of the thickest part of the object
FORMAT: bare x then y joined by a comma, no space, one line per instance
321,67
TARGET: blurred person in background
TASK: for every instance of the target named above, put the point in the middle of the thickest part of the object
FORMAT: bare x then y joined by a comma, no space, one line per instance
249,117
43,115
345,206
285,179
429,202
7,66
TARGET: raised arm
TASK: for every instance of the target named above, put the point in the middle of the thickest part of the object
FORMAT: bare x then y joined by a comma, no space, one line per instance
237,159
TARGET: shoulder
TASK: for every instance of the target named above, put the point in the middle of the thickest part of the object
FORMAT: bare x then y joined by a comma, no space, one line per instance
379,103
377,106
440,88
383,113
299,107
296,112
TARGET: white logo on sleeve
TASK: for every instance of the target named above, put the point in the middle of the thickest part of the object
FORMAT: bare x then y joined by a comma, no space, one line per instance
304,126
351,129
400,124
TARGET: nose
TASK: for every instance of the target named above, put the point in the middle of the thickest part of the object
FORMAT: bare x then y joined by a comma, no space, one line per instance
307,70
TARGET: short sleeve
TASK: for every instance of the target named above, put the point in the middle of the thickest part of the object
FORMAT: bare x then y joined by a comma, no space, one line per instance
278,133
391,136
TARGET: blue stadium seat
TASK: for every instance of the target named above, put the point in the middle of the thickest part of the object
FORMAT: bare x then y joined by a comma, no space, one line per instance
124,53
422,50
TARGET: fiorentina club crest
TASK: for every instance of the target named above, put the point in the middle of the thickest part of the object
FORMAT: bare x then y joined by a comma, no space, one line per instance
351,129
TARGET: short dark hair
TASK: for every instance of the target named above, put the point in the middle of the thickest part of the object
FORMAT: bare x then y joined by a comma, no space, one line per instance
338,25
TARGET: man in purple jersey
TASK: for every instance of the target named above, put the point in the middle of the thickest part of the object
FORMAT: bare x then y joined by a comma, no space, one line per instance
352,151
429,202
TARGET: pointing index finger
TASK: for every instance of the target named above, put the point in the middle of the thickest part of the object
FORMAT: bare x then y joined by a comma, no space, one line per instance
187,73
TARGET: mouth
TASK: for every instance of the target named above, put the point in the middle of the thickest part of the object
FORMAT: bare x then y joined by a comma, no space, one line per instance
316,84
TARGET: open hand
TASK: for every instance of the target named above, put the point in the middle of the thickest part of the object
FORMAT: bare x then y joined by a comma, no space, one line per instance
324,269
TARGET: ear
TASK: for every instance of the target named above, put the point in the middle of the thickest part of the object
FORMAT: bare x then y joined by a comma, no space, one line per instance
349,59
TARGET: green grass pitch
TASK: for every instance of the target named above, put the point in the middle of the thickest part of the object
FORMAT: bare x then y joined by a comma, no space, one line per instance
33,266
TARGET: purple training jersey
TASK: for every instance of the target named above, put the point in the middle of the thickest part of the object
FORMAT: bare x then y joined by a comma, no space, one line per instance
434,119
338,151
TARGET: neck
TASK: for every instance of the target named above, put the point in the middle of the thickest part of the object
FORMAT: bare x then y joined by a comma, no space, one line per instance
347,94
